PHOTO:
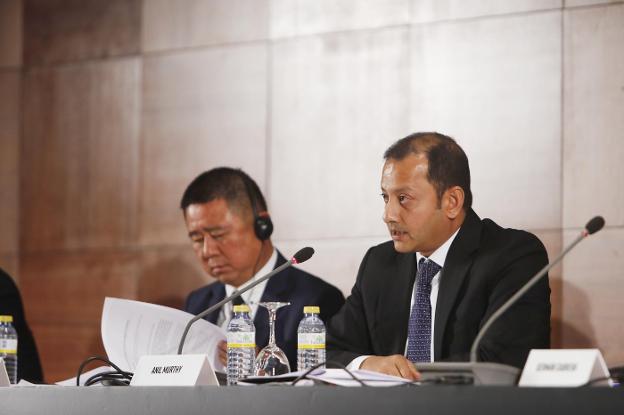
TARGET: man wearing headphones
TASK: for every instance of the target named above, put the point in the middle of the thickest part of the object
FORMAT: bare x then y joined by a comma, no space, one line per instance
230,229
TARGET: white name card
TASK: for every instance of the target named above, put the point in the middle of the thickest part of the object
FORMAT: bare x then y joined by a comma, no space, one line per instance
174,370
564,367
4,376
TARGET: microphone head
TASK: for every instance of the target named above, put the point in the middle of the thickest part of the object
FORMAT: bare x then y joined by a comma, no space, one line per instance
302,255
594,225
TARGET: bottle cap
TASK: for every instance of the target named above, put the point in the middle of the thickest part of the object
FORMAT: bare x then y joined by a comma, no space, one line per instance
6,319
311,309
241,308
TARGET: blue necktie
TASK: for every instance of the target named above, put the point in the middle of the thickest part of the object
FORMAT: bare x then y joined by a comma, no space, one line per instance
419,329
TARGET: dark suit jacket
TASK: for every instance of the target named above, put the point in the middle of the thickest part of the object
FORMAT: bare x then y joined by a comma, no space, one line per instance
293,285
485,265
28,365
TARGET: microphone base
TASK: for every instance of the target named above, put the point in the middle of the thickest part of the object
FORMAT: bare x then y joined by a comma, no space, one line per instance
479,373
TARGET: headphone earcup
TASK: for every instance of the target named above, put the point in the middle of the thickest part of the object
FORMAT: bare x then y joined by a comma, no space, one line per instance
263,226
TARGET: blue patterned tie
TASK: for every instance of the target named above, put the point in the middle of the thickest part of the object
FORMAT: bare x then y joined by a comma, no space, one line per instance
419,329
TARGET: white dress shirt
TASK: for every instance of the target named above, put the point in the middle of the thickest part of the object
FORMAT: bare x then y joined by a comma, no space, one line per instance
439,257
251,297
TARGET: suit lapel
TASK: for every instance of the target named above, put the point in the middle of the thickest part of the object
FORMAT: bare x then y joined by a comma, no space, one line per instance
278,284
392,316
456,267
216,294
407,270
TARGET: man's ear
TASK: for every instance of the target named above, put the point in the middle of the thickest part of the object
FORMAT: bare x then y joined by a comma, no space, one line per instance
453,201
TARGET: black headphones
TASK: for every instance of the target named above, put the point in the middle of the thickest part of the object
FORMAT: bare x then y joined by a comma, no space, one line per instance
263,226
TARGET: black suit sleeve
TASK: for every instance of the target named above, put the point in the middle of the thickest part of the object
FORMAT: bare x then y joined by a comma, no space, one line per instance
526,325
347,332
330,302
28,365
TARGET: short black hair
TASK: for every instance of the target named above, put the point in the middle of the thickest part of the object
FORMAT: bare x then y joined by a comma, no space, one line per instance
448,164
235,186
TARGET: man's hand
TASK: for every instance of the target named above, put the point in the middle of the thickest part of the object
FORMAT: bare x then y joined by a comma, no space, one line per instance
395,365
223,352
222,346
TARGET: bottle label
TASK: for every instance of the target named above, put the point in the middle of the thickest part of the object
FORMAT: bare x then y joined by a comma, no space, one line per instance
311,340
8,346
241,339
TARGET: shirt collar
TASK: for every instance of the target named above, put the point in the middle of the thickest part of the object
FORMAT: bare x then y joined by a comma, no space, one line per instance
268,267
439,255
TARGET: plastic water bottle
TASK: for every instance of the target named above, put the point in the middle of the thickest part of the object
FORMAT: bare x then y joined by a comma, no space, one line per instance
241,345
310,339
8,346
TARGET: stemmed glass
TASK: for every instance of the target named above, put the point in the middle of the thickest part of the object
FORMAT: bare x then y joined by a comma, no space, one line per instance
272,360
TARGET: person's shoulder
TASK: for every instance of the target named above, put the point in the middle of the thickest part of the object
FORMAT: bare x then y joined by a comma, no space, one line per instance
496,237
204,290
384,254
304,278
384,248
6,282
196,299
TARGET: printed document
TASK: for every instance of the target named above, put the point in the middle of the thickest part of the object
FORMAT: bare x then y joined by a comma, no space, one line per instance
131,329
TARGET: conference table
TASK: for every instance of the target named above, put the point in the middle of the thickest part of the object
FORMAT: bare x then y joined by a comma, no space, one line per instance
312,400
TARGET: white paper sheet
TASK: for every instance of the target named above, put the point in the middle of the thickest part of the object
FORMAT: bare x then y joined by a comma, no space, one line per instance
26,384
342,378
4,376
131,329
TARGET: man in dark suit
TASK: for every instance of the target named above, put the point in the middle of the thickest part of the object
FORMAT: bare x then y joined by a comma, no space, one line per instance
424,295
229,226
28,365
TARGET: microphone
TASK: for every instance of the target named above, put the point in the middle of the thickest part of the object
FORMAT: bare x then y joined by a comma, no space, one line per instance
306,253
593,226
301,256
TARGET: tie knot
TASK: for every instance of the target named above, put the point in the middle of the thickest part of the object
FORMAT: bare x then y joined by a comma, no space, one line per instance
238,301
427,269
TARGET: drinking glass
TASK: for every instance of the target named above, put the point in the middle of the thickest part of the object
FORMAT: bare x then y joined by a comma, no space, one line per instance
272,360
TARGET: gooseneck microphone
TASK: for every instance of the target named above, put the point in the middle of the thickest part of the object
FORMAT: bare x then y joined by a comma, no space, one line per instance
593,226
301,256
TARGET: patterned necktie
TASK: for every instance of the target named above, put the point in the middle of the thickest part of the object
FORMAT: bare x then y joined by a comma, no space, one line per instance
419,329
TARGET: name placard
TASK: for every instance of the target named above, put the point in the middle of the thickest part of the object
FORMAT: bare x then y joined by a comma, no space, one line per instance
4,376
564,367
174,370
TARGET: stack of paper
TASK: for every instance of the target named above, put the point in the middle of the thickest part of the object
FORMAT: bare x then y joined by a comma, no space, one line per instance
342,378
131,329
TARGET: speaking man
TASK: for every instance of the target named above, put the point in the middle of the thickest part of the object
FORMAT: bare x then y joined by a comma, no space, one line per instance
424,295
230,230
